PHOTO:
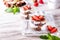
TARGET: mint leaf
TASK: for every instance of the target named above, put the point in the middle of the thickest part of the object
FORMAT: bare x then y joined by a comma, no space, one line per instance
55,38
9,10
13,10
43,37
49,37
16,9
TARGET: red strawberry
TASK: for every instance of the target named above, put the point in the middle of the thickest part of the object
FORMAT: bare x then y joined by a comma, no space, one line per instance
53,30
36,4
41,2
49,28
41,18
29,7
25,8
36,18
33,18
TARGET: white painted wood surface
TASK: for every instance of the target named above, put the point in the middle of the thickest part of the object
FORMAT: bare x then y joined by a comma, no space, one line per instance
10,25
10,30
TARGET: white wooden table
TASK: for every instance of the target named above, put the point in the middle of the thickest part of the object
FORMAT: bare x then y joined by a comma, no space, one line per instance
10,26
10,31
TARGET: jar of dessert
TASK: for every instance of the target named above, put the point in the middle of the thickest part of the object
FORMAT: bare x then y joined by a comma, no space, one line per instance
37,21
11,3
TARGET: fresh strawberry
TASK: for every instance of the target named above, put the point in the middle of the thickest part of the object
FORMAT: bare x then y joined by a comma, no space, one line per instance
33,18
29,7
41,2
36,4
25,8
36,18
41,18
53,30
49,28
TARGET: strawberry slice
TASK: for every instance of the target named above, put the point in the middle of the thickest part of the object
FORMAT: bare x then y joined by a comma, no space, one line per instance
49,28
33,18
41,1
29,7
25,8
36,4
53,30
41,18
36,18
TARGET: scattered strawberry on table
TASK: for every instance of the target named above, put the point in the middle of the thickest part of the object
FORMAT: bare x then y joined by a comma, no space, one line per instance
52,29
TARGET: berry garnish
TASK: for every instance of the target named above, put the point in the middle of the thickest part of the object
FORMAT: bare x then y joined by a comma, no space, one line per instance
36,4
52,29
49,28
41,2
